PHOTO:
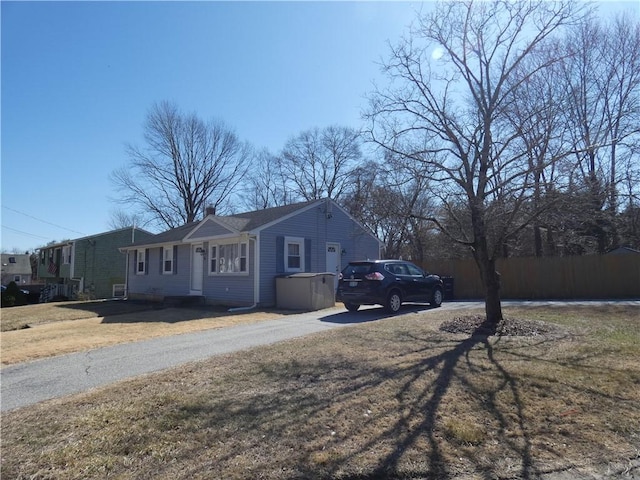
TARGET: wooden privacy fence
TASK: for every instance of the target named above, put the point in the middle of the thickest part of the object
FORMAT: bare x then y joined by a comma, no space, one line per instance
580,277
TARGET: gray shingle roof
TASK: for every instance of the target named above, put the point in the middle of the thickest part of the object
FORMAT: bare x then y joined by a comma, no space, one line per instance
14,264
258,218
242,222
170,236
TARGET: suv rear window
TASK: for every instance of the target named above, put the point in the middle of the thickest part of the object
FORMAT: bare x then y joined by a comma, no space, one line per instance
357,269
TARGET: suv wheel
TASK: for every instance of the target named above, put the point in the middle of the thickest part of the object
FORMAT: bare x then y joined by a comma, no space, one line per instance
393,302
352,307
436,297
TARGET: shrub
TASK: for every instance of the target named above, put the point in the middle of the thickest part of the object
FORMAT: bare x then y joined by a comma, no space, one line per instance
13,296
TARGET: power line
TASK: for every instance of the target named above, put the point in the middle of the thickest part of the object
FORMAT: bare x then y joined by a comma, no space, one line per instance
24,233
41,220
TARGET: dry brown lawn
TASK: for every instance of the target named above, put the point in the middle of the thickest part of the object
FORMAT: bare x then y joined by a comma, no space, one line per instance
395,398
44,330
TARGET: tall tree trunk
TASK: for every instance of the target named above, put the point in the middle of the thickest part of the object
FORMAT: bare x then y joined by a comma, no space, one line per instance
491,283
487,267
537,240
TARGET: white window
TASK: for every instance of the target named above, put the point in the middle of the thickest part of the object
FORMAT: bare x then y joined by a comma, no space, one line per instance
294,254
228,258
118,290
141,262
167,260
66,254
213,266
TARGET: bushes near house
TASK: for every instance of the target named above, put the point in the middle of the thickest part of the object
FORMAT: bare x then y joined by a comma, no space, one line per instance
12,296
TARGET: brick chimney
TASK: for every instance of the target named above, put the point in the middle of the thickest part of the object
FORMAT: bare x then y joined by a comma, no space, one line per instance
210,210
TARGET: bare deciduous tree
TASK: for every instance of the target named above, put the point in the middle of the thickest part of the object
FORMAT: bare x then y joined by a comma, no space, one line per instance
265,186
453,82
186,165
602,82
120,218
317,163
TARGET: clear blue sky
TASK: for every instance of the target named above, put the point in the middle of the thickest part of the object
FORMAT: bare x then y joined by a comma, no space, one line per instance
79,77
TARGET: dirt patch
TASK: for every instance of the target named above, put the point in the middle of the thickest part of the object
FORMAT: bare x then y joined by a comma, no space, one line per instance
513,327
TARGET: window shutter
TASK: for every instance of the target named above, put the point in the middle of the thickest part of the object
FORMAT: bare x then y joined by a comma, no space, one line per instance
161,260
146,261
279,254
307,254
175,259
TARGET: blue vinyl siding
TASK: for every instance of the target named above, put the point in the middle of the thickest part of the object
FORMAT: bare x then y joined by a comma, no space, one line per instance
231,289
317,229
154,282
312,225
209,229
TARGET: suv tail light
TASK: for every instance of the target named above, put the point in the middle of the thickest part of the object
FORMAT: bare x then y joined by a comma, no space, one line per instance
374,276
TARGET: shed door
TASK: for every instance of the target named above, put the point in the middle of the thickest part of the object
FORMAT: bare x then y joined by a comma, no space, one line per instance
333,261
197,268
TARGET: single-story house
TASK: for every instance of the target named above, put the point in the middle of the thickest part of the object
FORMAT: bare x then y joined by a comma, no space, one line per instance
235,260
16,268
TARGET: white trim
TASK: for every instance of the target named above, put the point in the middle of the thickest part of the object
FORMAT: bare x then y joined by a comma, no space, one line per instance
288,216
193,249
168,248
116,287
191,235
339,256
66,254
239,242
256,269
144,261
294,241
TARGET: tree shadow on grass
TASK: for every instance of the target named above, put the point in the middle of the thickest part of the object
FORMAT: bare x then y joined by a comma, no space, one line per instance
428,406
372,314
363,407
247,425
305,426
107,308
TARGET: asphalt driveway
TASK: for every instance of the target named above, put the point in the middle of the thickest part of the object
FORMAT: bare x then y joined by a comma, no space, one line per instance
28,383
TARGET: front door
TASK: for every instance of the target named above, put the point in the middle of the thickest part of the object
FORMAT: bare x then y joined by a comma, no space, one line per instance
333,261
197,268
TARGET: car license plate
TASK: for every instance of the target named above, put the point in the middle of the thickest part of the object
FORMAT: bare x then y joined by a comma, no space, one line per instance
353,284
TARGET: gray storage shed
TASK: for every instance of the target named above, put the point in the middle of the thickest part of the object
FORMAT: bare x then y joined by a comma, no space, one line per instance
305,291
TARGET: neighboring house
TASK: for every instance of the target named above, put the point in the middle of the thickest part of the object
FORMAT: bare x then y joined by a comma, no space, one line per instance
91,266
234,260
16,268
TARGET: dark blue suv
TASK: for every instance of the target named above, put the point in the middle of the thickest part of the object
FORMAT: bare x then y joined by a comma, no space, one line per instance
388,283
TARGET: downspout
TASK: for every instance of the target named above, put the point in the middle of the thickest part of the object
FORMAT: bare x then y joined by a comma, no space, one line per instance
256,279
126,276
